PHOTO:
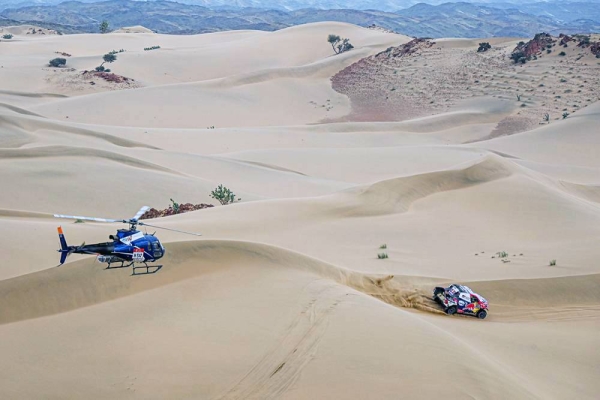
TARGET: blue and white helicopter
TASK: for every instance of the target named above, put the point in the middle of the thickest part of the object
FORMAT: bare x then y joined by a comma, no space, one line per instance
129,247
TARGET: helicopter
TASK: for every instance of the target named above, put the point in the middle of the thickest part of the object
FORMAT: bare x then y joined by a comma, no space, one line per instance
129,247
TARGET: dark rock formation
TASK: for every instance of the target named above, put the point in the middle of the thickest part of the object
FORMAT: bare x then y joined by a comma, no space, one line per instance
183,208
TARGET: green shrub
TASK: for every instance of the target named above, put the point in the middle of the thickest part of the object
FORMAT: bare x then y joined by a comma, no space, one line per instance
151,48
108,58
485,46
7,36
104,27
175,206
562,54
547,117
382,256
57,62
339,45
383,246
552,263
223,195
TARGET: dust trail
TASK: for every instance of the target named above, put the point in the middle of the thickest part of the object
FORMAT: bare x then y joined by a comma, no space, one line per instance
390,290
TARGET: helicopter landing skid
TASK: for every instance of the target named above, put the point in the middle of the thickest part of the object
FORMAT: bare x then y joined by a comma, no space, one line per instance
123,265
149,269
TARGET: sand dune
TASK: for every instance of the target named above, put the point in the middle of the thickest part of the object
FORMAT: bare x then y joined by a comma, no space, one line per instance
284,296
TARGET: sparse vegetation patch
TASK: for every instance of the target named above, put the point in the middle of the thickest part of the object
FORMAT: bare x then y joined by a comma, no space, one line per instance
223,195
57,62
483,47
339,45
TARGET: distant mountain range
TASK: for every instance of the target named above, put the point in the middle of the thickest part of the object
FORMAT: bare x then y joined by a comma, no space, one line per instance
291,5
420,20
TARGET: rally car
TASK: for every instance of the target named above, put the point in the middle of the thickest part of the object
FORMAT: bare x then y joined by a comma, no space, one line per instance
462,300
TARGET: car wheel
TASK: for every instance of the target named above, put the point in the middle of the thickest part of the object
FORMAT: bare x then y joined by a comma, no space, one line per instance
451,310
482,314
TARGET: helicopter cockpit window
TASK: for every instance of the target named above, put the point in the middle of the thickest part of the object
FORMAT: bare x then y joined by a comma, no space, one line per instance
155,246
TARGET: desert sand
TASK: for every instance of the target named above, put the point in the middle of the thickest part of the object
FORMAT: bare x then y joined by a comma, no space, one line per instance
284,297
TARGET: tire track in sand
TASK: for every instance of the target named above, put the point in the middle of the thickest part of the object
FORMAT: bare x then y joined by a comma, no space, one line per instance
281,365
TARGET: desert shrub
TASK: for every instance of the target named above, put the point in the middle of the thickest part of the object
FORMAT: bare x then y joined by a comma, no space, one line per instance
547,117
562,54
223,195
383,246
57,62
552,263
175,206
565,115
7,36
151,48
104,27
339,45
549,51
108,58
485,46
583,40
518,57
502,254
382,256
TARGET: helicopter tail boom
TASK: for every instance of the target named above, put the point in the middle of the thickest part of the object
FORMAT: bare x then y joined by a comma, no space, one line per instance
64,249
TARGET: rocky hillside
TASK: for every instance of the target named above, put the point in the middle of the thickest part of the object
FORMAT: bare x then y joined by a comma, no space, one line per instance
546,78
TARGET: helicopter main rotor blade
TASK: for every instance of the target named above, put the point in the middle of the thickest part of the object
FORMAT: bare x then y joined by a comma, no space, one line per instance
87,218
169,229
140,213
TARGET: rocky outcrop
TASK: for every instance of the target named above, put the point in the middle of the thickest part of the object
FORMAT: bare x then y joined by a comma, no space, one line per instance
564,39
583,41
107,76
525,51
183,208
595,49
407,49
378,28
